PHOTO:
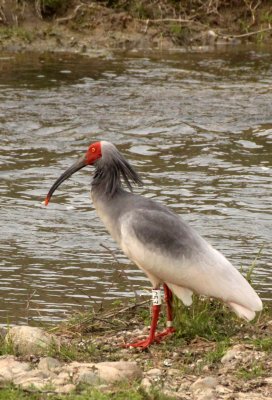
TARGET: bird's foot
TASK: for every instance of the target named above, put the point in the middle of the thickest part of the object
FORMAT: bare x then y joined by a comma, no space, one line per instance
163,334
144,344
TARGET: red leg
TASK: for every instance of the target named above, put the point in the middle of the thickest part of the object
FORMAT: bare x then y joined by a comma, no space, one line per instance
168,297
151,338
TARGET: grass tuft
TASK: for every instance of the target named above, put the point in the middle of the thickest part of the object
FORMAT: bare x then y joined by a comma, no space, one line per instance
206,318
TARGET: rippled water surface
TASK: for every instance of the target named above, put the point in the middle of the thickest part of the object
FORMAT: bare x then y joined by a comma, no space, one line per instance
197,126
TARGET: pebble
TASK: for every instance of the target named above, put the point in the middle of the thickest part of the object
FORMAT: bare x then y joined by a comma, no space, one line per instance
146,384
154,372
49,363
230,355
208,382
167,363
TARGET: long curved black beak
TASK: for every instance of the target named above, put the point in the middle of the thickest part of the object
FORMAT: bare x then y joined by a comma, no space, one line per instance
81,163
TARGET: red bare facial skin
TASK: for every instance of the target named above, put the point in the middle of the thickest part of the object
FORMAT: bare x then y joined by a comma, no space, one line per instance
94,152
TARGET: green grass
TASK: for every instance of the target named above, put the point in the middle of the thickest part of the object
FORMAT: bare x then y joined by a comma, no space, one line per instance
121,392
255,371
214,356
262,344
12,393
205,318
17,32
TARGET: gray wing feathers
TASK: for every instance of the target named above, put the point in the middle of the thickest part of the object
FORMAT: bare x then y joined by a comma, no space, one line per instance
166,246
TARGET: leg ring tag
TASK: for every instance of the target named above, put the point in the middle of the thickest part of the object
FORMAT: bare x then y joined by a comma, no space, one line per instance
156,297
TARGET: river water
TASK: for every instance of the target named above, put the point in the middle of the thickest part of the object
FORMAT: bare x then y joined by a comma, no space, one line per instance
196,125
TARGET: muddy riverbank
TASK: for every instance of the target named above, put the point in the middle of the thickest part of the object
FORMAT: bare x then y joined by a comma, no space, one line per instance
126,25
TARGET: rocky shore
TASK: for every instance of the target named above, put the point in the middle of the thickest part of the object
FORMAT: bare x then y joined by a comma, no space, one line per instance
46,363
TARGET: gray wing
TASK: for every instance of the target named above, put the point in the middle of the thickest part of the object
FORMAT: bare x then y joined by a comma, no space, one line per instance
165,246
164,232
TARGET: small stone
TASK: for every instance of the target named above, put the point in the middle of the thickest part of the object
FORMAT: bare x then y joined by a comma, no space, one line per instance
88,377
173,372
49,364
209,382
223,389
154,372
230,355
167,363
146,384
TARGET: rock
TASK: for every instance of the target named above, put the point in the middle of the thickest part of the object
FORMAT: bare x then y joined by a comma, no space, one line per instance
204,388
34,377
66,388
87,377
236,351
220,389
251,396
230,355
208,394
10,368
103,372
146,384
49,364
173,372
61,379
154,372
209,382
127,369
167,363
27,340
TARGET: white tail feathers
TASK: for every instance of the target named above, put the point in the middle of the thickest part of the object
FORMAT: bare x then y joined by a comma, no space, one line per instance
243,312
184,294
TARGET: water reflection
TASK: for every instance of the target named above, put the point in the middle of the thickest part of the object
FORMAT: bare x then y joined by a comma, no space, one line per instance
198,127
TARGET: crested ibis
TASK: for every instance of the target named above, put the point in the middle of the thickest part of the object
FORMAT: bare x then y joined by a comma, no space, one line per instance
169,251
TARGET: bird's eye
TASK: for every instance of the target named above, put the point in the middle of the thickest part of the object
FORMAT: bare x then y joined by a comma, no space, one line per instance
93,149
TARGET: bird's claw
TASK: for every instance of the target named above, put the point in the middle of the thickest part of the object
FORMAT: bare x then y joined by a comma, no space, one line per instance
144,344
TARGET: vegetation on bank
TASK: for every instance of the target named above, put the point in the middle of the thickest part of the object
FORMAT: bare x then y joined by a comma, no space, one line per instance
205,332
124,391
181,23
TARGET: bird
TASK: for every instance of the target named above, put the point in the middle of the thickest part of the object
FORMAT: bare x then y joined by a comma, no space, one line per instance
161,243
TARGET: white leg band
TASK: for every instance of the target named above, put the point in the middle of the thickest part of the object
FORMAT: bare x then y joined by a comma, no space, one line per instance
156,297
169,324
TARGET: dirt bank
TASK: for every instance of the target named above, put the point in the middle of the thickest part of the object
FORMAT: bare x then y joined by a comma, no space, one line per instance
75,25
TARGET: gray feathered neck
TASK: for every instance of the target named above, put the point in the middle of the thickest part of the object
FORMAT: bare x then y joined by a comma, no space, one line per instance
111,169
